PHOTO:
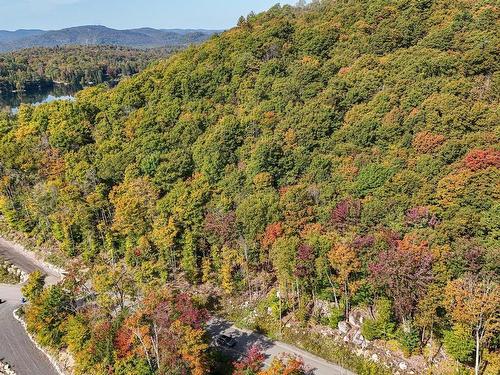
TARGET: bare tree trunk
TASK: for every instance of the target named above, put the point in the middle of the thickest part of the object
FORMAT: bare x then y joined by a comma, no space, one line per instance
156,348
347,305
334,290
476,369
145,350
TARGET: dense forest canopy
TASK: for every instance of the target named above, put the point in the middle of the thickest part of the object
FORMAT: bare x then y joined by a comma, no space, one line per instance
347,150
78,66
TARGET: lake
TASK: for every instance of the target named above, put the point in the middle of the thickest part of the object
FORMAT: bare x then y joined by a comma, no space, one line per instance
58,92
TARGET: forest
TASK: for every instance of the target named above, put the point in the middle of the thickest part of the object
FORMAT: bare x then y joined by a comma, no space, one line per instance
78,66
345,151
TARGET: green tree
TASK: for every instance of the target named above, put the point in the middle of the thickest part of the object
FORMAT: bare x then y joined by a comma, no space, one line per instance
34,286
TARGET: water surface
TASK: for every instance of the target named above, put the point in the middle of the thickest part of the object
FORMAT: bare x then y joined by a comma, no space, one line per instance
12,101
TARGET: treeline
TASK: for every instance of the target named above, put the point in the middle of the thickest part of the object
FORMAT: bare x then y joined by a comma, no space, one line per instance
78,66
345,151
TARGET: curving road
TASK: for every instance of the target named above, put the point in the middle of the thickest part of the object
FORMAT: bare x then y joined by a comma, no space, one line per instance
26,359
245,339
15,346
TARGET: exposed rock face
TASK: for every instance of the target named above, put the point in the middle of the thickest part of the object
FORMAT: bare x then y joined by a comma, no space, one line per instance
358,339
322,308
13,270
349,332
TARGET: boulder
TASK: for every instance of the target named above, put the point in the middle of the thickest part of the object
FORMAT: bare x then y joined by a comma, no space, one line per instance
403,366
359,340
356,318
344,327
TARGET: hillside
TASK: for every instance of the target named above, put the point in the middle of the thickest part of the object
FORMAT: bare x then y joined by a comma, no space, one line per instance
345,153
101,35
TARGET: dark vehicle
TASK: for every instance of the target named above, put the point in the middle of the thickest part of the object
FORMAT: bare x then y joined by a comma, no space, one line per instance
225,340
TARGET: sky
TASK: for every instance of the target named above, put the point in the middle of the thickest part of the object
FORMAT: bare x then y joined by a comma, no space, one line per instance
126,14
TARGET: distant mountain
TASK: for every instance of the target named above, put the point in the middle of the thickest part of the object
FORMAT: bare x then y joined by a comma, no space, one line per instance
101,35
10,36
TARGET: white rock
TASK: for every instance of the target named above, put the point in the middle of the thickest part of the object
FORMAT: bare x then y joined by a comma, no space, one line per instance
374,357
358,339
403,366
344,327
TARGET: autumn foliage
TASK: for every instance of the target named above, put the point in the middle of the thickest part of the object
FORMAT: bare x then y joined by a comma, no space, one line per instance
481,159
341,153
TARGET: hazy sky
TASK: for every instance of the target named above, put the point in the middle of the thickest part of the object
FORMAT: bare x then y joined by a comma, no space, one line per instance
124,14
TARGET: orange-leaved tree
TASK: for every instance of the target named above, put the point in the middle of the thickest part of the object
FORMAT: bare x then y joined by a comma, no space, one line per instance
475,303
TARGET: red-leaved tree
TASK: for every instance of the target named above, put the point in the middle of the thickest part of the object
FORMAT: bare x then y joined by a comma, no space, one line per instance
403,271
251,363
481,159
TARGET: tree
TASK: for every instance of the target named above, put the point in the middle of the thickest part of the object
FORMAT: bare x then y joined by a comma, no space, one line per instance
383,325
282,256
346,212
475,303
168,331
481,159
404,271
113,285
304,268
222,226
189,261
286,364
345,262
46,315
230,260
251,363
241,21
34,286
134,204
459,343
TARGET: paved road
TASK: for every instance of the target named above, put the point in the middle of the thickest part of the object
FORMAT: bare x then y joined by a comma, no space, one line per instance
245,339
17,349
15,346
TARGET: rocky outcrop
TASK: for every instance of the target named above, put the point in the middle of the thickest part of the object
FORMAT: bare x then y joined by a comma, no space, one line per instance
348,332
13,270
5,369
344,328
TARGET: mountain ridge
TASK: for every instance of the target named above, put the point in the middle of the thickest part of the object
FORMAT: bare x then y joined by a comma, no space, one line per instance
144,37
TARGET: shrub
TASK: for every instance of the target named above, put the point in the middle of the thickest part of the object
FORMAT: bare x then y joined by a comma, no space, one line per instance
336,316
370,329
409,340
382,327
459,343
